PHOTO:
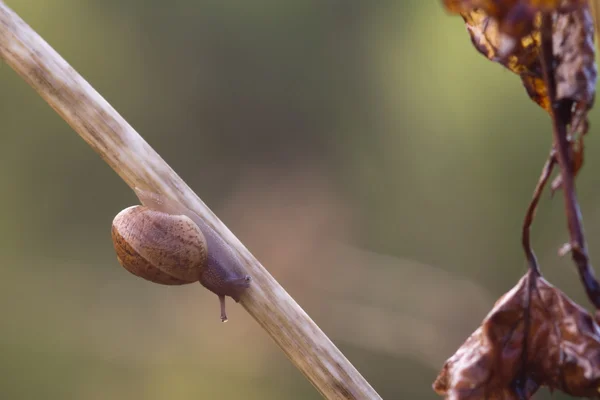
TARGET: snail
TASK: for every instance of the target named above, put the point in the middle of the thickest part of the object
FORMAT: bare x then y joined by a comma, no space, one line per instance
166,243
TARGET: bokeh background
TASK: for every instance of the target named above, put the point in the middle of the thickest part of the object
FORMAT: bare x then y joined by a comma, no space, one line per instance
374,162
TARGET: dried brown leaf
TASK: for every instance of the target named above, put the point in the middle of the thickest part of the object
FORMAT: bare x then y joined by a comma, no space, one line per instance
520,57
531,338
573,49
516,18
507,32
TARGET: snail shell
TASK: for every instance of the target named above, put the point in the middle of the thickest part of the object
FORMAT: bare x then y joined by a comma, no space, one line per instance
159,247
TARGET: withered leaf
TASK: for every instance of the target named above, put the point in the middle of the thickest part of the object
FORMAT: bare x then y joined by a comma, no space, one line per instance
525,342
516,18
521,57
573,49
508,32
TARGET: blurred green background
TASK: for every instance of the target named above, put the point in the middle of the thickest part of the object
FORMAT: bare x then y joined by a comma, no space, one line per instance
374,162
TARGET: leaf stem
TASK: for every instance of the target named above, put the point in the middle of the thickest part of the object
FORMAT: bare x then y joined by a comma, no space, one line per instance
530,214
520,383
560,114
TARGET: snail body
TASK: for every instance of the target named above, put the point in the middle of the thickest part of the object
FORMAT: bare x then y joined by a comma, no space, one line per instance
168,244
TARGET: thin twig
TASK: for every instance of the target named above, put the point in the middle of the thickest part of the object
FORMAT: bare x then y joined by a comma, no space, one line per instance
93,118
595,6
520,383
530,214
560,118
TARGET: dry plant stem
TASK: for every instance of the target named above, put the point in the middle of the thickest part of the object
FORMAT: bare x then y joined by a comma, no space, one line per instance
533,273
595,6
530,215
139,165
534,270
560,117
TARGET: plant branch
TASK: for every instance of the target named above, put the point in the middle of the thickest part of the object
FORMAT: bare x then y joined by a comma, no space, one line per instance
561,111
595,7
520,384
530,214
93,118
